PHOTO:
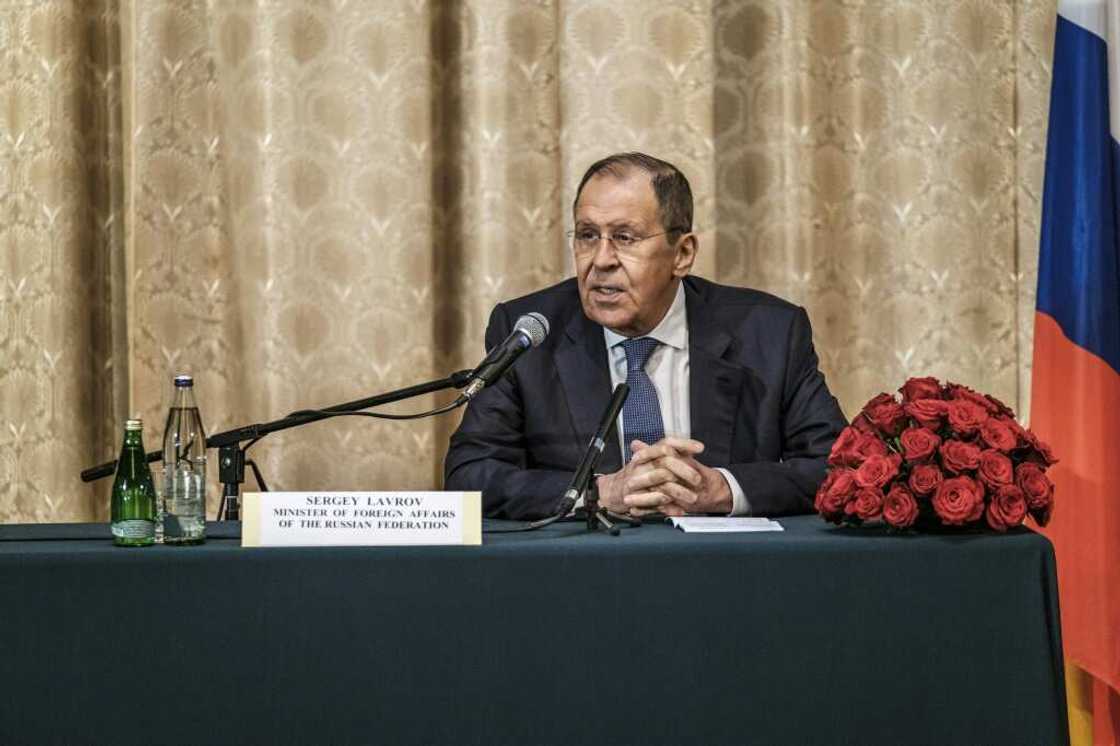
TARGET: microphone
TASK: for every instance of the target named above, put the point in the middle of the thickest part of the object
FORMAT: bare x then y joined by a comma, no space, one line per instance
595,448
529,331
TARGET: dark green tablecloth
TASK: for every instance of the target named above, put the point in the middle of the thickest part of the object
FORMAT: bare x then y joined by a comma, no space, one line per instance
814,635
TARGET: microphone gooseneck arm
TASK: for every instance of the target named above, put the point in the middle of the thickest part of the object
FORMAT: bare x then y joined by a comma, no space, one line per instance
497,363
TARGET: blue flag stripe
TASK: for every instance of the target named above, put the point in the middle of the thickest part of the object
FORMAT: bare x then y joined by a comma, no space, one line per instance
1078,271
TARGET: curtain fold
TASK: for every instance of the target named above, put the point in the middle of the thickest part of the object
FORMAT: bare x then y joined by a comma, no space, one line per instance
304,202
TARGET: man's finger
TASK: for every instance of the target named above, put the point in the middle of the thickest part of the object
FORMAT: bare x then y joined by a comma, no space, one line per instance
679,493
667,509
666,448
684,445
661,449
646,479
682,468
639,512
646,500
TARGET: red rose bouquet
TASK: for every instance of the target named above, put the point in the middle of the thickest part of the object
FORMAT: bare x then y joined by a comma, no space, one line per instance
942,456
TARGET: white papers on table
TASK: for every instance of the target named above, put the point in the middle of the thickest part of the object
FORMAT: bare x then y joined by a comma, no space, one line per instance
707,525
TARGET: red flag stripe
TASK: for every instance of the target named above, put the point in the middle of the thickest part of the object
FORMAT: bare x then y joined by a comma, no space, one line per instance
1076,408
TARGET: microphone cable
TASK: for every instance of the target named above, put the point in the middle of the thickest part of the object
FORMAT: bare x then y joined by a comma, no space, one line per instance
530,526
327,414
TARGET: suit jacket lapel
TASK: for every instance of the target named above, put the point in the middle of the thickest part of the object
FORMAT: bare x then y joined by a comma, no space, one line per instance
715,382
582,361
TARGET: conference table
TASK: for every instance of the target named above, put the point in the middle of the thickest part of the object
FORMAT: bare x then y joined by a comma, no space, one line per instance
813,635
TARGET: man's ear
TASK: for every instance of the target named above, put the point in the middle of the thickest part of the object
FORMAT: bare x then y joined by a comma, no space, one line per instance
687,246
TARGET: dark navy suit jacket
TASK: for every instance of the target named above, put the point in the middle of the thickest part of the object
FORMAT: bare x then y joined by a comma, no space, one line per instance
758,402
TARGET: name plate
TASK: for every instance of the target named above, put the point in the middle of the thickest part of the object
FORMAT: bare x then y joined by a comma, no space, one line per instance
338,519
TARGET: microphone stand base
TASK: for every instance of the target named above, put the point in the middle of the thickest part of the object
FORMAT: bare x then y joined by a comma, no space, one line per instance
601,518
231,473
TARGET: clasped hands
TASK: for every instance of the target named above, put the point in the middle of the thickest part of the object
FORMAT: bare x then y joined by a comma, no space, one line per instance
665,478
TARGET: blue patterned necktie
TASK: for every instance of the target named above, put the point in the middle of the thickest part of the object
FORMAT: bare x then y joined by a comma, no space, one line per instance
641,415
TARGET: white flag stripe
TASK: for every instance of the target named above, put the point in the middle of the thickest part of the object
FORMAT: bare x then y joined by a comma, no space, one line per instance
1091,15
1101,17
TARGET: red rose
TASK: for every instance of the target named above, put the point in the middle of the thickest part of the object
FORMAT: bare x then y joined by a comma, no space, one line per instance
1007,508
886,415
964,393
867,505
1021,435
878,400
920,388
1000,407
995,470
870,444
899,508
1036,486
959,456
996,434
929,413
1040,452
966,417
853,447
959,500
862,424
843,449
925,479
919,444
876,471
835,491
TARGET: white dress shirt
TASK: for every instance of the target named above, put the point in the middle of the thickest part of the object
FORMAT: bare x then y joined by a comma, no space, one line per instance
667,368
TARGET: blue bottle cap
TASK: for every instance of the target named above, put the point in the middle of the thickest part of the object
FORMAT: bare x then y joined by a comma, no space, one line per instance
182,381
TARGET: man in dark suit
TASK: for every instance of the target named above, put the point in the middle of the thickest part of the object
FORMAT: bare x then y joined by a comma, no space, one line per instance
728,412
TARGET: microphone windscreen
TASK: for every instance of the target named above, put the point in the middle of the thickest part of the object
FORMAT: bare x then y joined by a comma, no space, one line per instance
534,325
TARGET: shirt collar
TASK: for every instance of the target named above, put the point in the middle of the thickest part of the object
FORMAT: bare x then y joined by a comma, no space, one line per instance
672,331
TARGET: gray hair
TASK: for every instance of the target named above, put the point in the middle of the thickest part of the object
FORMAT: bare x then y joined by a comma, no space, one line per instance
674,196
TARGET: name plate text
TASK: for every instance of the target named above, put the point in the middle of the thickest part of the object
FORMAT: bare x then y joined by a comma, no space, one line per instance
325,519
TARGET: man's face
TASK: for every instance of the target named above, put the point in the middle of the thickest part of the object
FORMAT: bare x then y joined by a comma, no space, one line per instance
627,291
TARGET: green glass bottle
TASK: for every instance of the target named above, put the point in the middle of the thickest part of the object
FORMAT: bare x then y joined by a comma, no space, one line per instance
134,493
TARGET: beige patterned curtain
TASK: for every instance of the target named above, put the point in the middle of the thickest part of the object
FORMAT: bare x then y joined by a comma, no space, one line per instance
303,202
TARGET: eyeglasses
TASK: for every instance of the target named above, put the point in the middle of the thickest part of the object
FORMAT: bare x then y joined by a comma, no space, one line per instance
586,240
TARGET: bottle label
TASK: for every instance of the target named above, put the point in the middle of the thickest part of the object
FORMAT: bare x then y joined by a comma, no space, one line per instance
134,529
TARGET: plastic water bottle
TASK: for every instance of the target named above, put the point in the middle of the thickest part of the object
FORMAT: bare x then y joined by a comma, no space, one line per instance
182,515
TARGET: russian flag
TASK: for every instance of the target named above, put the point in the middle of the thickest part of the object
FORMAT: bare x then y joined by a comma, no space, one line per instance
1075,402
